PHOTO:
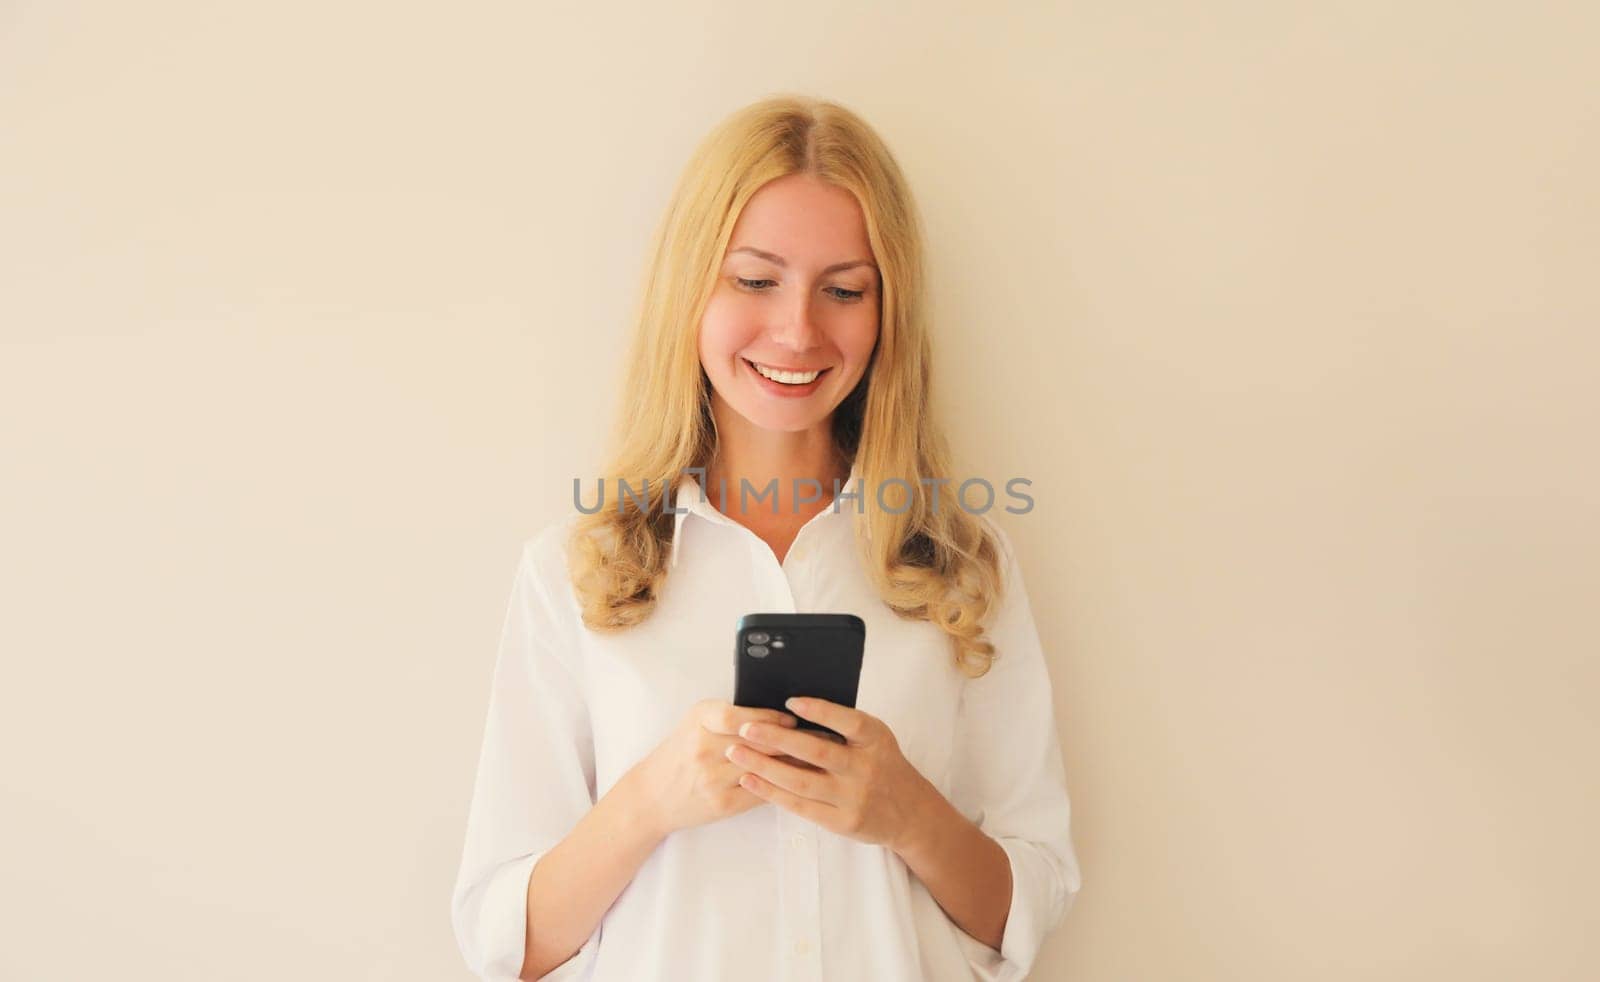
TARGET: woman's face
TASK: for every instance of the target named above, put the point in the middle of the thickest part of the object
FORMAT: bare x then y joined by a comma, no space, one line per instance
797,292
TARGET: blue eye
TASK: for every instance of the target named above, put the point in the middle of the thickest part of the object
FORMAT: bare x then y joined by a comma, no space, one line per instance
844,294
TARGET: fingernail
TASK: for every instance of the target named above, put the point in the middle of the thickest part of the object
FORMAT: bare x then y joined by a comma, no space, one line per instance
790,721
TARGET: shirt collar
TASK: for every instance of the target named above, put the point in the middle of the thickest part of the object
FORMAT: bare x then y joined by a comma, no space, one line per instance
689,497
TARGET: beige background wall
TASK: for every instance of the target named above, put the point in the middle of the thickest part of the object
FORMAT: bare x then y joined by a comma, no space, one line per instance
309,313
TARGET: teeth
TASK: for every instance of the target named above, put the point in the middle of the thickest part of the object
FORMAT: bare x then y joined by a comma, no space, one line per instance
788,378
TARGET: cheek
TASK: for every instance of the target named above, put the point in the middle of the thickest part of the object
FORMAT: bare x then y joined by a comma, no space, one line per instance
719,335
725,329
860,337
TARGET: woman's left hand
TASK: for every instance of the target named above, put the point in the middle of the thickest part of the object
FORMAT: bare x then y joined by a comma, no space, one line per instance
864,788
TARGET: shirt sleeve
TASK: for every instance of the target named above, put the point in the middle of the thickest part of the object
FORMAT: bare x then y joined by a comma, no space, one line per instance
535,776
1007,777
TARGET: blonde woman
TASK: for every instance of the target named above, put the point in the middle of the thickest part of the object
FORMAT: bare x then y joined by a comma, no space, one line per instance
628,822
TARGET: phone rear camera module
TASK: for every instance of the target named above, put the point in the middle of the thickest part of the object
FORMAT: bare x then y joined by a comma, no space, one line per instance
757,637
757,651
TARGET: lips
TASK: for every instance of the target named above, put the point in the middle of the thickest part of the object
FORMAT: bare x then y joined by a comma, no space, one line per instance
784,390
757,366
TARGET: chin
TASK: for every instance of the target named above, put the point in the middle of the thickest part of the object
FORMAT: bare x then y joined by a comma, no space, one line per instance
788,424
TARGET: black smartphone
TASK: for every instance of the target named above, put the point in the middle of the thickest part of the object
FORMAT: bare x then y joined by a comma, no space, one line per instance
783,655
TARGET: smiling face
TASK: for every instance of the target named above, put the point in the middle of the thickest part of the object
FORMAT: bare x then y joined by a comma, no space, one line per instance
798,295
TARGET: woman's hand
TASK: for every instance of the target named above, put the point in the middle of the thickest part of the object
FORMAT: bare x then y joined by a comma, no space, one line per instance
687,780
863,788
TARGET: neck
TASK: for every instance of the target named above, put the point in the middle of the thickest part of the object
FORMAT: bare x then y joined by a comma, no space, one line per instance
750,454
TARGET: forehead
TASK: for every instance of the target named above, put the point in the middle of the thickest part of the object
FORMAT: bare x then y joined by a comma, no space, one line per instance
805,221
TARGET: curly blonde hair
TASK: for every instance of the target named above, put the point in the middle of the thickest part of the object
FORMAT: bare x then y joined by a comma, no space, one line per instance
942,565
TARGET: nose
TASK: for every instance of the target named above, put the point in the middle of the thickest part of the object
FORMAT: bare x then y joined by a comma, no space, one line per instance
794,327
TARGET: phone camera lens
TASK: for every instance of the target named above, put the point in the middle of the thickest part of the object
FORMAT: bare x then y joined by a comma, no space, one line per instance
757,651
758,637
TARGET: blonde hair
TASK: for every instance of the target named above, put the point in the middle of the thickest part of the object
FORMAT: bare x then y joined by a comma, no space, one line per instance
940,565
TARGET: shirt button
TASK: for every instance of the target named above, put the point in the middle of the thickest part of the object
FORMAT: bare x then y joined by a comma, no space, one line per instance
801,947
798,840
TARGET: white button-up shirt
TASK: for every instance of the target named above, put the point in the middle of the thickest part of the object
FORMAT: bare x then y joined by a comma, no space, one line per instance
764,894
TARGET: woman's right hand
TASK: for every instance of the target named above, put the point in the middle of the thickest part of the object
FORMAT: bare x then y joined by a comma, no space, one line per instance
688,779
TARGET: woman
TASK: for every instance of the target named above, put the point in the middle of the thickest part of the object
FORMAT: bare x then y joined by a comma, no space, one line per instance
627,821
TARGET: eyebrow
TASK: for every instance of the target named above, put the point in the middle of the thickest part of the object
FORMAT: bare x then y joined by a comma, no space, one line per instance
779,260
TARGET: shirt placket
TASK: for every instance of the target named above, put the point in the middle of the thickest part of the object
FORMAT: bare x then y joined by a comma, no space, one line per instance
800,872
